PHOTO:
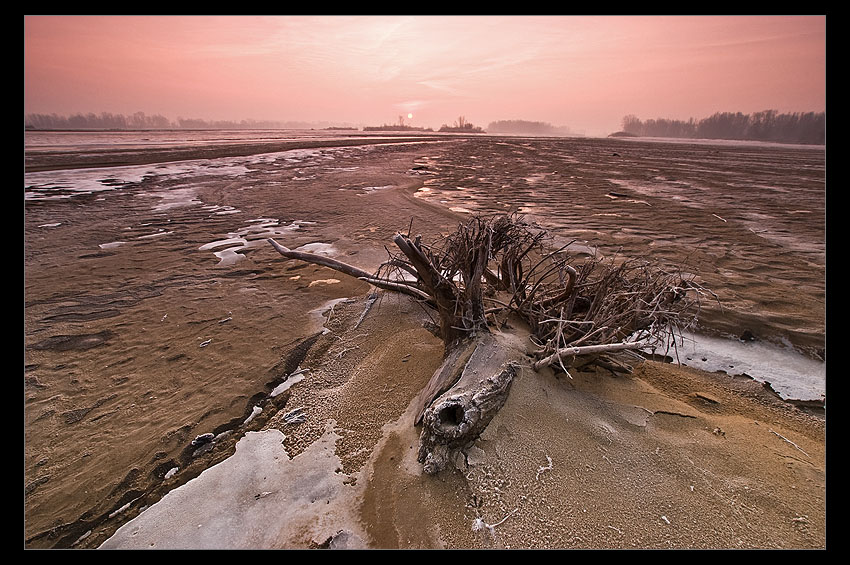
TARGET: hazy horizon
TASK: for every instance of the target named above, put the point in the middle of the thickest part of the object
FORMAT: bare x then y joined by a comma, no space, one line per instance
584,73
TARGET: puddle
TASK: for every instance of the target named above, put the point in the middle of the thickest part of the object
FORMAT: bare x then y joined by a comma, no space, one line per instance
230,250
790,374
317,248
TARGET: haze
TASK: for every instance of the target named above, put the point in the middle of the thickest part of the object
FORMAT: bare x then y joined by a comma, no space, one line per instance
584,73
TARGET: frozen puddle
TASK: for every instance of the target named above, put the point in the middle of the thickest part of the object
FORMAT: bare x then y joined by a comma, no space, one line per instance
231,249
174,198
791,375
318,248
49,185
259,498
112,245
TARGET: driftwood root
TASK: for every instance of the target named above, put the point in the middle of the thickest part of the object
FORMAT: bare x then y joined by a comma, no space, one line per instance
577,310
455,420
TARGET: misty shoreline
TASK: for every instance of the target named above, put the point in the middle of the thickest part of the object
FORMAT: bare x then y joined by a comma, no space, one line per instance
38,159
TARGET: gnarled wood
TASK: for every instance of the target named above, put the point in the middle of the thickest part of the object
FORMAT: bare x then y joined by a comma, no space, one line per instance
454,419
577,313
576,351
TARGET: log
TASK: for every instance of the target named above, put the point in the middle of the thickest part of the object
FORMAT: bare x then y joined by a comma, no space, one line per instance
472,383
452,421
320,260
444,378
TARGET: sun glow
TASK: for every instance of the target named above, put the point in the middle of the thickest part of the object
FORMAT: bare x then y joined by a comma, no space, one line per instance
410,116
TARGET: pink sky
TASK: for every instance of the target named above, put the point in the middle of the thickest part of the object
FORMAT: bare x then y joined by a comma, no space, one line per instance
584,72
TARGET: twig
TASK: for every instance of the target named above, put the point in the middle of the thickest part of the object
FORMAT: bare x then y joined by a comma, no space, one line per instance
479,524
791,442
546,468
588,349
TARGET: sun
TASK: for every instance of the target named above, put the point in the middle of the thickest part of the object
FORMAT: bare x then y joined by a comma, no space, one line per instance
410,116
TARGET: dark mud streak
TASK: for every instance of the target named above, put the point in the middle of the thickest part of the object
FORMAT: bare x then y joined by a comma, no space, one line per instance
74,341
52,160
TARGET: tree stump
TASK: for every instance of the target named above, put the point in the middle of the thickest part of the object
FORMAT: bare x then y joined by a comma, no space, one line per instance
572,312
482,370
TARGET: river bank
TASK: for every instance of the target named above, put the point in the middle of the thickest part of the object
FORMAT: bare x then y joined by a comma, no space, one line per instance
156,313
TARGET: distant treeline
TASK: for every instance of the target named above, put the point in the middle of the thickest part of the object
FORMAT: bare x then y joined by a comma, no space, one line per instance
769,125
468,128
395,127
140,120
526,127
461,126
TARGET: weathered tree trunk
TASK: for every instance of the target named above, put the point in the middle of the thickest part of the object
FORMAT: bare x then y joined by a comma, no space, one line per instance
584,312
471,386
473,382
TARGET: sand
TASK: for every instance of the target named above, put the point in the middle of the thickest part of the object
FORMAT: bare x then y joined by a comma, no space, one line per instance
138,341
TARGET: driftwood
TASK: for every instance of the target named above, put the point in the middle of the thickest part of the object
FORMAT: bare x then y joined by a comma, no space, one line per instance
482,372
579,311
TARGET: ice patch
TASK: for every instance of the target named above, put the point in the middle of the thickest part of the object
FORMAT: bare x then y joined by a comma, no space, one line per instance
174,198
228,257
271,496
293,379
318,248
370,189
49,185
222,243
157,234
790,374
111,245
251,236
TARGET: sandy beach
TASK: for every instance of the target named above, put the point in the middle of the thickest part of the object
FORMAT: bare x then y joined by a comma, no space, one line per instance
145,329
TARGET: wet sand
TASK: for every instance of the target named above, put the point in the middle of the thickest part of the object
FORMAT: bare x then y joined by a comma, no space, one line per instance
139,339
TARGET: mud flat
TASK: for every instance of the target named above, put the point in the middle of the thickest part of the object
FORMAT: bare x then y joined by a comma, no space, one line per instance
160,333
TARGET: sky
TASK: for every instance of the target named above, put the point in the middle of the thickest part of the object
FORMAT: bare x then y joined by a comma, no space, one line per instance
581,72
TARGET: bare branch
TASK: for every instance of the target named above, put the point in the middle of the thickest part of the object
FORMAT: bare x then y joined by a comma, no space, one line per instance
588,350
